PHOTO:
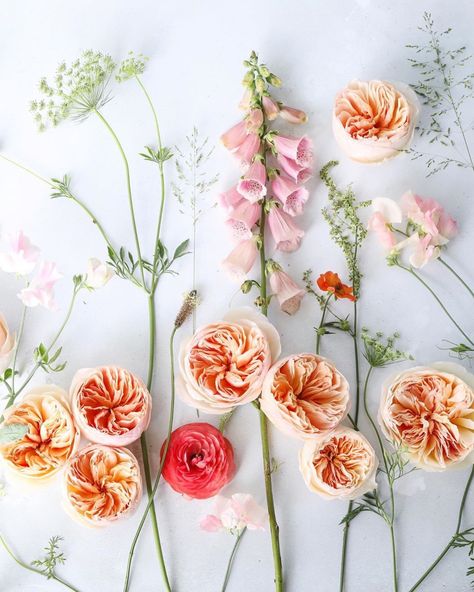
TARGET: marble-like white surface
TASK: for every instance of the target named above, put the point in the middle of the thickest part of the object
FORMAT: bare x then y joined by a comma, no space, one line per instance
194,74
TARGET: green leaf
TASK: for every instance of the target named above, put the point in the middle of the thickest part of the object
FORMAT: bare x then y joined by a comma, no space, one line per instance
12,432
181,249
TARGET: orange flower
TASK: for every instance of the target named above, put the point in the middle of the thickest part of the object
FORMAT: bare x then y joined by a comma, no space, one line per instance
331,282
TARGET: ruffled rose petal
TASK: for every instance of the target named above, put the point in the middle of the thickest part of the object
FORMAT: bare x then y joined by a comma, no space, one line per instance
199,461
430,413
102,484
341,465
110,405
224,364
375,120
52,436
305,396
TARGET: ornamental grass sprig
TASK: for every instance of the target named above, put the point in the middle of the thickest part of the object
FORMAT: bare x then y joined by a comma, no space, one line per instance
269,195
446,89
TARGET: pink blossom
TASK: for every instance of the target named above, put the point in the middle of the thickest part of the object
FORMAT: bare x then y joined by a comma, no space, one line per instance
248,149
241,260
290,194
430,216
271,108
298,149
229,199
292,168
286,234
21,257
234,514
40,291
254,120
243,217
253,184
289,294
385,212
293,115
423,252
245,100
235,136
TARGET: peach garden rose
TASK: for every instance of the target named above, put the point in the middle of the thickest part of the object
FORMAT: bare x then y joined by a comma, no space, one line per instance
429,411
224,364
111,406
7,344
374,120
340,465
102,484
305,396
52,436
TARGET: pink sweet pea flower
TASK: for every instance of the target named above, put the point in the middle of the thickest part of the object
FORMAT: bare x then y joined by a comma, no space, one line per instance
234,137
385,213
271,108
40,292
21,257
234,514
293,115
430,216
289,294
248,149
298,149
242,219
241,260
420,250
286,234
253,184
291,167
290,194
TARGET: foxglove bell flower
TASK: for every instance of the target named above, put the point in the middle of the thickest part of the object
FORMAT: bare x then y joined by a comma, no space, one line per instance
284,231
252,186
246,152
270,107
293,115
111,406
298,173
292,196
51,439
299,150
102,484
241,259
305,396
242,219
288,293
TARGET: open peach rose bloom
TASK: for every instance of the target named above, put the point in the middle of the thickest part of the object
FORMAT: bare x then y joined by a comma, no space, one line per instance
340,465
52,436
111,406
305,396
102,484
429,412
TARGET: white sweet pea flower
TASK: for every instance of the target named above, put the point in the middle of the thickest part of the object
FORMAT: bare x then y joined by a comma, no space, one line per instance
98,274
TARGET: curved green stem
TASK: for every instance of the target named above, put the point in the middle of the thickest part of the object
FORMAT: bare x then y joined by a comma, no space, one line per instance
321,323
157,480
129,192
438,300
231,560
450,544
33,569
456,274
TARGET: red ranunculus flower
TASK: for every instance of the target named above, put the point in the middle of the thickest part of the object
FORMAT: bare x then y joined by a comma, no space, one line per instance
199,462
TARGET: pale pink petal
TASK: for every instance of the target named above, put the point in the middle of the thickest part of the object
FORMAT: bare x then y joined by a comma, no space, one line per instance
242,219
298,149
271,108
253,184
294,170
292,196
240,260
285,233
254,120
21,257
293,115
234,137
289,294
248,149
378,224
211,523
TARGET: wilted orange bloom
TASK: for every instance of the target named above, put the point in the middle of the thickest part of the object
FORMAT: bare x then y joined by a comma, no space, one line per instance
331,282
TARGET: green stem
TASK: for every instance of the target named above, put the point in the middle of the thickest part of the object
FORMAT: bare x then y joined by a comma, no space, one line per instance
456,274
129,193
432,292
14,395
274,529
157,480
390,484
17,346
231,560
321,324
450,544
33,569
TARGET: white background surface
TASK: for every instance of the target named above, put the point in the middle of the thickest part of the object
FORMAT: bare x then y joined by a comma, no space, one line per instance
194,76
